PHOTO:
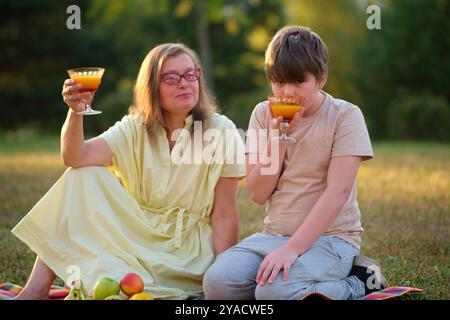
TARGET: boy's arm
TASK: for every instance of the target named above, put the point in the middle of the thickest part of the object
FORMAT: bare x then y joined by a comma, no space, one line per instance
225,216
263,174
340,179
259,185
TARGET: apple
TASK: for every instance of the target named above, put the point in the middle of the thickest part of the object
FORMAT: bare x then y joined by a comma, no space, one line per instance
131,284
105,287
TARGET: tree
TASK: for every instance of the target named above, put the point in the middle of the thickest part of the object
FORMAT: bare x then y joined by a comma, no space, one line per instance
38,48
340,24
408,56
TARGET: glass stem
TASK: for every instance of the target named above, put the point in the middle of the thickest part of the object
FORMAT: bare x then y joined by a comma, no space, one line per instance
284,126
87,107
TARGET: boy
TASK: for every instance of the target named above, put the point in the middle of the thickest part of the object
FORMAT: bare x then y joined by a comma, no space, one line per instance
312,231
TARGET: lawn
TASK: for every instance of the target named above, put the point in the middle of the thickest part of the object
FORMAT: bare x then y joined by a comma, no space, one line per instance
403,195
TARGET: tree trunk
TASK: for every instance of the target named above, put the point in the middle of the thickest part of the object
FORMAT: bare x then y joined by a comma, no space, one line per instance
203,41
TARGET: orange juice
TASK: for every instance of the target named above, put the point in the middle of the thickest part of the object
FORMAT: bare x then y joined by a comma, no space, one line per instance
89,82
287,111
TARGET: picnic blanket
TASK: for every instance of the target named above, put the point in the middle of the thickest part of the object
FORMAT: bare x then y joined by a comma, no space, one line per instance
8,291
384,294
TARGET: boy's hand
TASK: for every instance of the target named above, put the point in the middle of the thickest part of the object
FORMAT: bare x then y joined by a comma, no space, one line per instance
282,258
275,122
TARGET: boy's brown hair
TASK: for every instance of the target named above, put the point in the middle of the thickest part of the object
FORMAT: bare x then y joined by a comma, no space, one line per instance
293,52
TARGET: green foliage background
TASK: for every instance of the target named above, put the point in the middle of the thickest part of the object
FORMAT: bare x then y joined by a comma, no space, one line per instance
376,69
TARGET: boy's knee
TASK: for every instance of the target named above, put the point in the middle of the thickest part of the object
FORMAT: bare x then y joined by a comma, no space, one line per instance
281,290
271,291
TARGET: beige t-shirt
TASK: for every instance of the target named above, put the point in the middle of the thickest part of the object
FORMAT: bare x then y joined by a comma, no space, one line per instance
336,129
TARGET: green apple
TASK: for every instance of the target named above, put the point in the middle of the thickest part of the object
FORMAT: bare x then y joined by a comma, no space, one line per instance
105,287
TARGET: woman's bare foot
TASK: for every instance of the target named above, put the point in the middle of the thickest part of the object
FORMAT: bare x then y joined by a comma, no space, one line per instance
39,283
29,294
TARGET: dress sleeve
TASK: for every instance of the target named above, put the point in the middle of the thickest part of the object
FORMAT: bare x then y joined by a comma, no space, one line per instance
122,140
234,161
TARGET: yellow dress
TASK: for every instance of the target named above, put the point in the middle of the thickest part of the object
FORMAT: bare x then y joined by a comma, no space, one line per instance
148,213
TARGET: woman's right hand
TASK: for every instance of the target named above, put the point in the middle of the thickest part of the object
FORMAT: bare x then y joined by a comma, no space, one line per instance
74,97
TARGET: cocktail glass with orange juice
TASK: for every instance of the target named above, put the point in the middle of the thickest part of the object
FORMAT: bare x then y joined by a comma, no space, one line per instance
90,78
286,108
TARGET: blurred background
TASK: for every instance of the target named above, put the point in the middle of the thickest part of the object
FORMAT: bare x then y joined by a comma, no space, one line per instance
398,75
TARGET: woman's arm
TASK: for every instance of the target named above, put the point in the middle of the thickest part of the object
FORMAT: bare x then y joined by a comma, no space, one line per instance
76,152
225,217
340,179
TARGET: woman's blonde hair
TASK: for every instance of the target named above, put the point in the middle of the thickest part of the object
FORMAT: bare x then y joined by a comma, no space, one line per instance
146,90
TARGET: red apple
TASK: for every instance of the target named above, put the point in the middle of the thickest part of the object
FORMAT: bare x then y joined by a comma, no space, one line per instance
131,284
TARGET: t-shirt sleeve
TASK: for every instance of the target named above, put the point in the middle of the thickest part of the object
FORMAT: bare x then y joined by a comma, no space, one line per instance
234,162
257,133
122,138
351,136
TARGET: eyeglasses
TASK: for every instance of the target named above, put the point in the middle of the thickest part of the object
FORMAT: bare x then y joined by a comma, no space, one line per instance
172,78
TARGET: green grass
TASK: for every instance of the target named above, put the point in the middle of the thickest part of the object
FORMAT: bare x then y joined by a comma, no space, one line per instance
403,195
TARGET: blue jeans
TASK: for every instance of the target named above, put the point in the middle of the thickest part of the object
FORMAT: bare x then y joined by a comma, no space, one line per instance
323,268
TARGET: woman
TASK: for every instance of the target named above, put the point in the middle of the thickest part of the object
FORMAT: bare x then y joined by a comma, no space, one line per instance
161,219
